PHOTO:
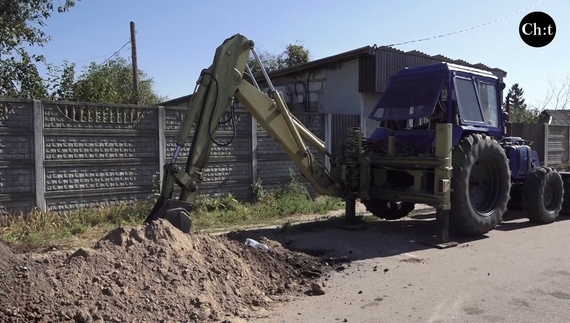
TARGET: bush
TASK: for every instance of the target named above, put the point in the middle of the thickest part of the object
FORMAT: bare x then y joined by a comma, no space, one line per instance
47,228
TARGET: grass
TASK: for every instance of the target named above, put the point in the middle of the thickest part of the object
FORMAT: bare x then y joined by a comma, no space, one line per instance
45,228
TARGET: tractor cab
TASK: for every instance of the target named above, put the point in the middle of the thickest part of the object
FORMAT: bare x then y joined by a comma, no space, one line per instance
416,99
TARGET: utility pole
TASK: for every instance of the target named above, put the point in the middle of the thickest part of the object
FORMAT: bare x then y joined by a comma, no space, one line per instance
135,64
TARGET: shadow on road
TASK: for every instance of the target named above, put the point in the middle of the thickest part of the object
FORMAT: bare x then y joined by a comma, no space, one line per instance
367,240
516,220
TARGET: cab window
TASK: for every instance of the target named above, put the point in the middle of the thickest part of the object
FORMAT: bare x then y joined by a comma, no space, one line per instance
488,97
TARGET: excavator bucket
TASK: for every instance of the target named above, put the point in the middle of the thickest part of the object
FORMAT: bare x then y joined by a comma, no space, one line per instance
174,211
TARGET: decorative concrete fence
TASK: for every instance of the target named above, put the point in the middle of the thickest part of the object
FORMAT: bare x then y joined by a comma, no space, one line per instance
64,155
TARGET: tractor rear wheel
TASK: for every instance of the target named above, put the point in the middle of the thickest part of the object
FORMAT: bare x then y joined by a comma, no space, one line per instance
480,184
543,195
388,210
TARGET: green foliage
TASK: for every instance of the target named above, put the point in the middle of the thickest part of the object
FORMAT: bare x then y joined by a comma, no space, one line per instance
519,111
293,55
516,99
259,192
524,116
112,82
60,82
20,25
290,199
40,228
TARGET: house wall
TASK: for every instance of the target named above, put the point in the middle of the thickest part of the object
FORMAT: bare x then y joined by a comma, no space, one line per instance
341,95
332,90
368,102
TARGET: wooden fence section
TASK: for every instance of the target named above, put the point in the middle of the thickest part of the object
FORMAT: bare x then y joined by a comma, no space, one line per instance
552,142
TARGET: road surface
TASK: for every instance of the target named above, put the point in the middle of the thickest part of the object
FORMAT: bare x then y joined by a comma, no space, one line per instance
517,273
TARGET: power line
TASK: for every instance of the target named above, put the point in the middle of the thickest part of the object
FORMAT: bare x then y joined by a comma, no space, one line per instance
109,56
115,53
90,59
467,29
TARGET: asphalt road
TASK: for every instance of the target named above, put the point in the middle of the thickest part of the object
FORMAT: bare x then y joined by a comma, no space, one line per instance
517,273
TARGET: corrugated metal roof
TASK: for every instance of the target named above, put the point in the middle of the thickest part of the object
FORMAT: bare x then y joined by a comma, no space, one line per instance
559,117
442,58
390,60
346,56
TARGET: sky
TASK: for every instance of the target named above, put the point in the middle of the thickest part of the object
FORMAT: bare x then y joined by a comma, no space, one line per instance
176,39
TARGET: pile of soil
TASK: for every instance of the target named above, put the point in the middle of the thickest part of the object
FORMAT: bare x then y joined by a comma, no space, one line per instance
153,273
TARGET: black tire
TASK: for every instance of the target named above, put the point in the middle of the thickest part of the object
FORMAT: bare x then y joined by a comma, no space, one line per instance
388,210
515,202
476,210
543,195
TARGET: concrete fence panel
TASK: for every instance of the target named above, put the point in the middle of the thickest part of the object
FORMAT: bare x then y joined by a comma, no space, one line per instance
65,155
17,150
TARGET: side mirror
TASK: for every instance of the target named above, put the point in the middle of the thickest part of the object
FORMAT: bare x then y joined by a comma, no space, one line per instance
506,124
502,85
506,116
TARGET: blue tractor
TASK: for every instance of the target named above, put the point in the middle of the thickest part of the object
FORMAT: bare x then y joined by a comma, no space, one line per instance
443,141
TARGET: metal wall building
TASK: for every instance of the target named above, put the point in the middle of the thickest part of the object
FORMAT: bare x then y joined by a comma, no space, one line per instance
345,87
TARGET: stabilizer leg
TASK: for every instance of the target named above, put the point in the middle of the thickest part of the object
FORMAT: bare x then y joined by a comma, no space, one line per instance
350,210
441,239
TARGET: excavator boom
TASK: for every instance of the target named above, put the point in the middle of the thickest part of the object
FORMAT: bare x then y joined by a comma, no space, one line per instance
217,88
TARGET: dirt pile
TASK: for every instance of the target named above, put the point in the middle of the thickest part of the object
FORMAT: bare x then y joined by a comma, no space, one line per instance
150,274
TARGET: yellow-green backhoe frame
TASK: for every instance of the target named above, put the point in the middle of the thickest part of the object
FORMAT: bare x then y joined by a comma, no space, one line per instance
216,89
222,83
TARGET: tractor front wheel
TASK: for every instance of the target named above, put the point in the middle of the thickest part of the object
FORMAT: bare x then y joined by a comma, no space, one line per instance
543,195
388,210
480,184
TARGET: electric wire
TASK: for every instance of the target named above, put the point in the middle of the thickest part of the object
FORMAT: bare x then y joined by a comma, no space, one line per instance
466,29
115,53
109,56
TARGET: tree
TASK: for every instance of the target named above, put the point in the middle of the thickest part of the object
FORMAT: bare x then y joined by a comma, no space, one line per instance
557,96
20,25
60,82
517,101
519,111
293,55
111,82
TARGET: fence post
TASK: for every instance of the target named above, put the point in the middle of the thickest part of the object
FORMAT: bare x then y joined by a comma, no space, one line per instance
328,138
161,137
567,150
253,149
39,154
545,144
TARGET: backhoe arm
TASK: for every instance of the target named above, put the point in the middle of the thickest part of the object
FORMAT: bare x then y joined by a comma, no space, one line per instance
215,90
274,116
